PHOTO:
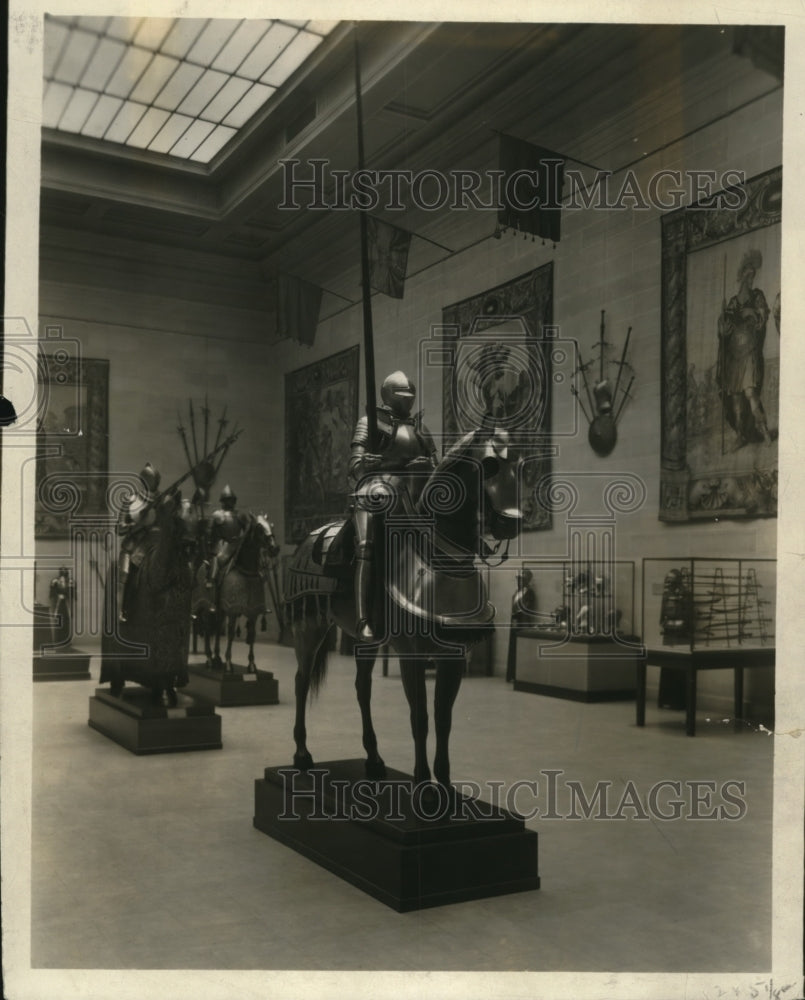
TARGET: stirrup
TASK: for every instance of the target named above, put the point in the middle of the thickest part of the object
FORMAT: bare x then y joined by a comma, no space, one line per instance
363,631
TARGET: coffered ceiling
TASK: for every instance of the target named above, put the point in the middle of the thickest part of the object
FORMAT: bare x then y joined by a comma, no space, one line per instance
435,97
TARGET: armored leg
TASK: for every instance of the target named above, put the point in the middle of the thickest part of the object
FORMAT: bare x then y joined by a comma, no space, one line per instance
122,577
364,532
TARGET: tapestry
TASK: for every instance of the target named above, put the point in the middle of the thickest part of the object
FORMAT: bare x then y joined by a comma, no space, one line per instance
321,410
501,344
721,354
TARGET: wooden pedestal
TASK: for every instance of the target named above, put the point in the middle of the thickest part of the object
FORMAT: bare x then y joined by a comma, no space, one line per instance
232,689
141,727
379,835
600,670
67,665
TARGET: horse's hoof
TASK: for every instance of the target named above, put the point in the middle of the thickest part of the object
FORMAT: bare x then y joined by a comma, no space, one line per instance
172,698
116,688
303,761
430,801
375,769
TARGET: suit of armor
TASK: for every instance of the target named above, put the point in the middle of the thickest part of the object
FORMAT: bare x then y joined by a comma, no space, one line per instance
226,530
135,526
404,448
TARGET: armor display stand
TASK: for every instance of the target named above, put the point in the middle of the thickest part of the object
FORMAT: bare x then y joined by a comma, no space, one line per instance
132,720
54,657
382,837
229,689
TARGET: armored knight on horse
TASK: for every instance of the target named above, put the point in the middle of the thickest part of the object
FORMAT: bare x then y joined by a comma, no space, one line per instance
421,522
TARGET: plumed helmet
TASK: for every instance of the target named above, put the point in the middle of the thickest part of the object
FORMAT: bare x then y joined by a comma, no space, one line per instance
227,494
751,261
398,392
150,477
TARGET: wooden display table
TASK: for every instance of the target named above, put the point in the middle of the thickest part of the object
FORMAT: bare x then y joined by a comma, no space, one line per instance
594,668
690,662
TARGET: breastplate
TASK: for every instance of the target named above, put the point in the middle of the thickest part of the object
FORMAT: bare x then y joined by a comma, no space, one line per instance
225,525
403,447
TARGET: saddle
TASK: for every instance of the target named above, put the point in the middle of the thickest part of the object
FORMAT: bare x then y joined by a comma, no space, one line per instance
333,546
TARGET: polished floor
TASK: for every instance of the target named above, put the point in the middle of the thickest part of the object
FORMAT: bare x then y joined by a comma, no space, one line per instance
153,862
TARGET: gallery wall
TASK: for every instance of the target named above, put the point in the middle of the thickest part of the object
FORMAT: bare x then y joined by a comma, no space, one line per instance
166,345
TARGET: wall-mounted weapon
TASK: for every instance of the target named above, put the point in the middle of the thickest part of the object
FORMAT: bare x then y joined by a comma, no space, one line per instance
605,402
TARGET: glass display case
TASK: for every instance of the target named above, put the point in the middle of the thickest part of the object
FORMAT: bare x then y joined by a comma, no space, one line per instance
582,600
702,603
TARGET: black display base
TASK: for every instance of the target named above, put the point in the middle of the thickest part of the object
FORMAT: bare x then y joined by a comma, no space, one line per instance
232,689
573,694
136,724
69,665
469,850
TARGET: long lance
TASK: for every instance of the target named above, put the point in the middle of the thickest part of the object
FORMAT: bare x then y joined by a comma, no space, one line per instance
368,337
193,431
206,411
230,440
183,436
178,482
621,363
601,350
222,422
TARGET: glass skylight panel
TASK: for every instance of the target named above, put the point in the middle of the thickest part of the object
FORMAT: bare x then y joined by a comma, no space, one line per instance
192,138
101,116
182,36
173,129
211,40
240,45
96,24
150,123
203,92
267,50
77,110
294,55
55,39
226,99
125,121
321,27
104,61
131,68
176,86
151,33
214,142
159,71
73,61
56,97
124,28
246,107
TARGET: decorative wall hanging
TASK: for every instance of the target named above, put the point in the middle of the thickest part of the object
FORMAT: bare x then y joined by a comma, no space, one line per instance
321,410
72,460
605,400
721,354
508,374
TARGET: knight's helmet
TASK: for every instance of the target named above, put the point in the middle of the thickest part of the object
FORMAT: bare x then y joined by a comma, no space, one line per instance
228,498
398,393
151,479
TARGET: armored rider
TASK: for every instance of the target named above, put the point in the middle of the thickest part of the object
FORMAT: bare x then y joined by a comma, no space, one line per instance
135,526
404,445
226,529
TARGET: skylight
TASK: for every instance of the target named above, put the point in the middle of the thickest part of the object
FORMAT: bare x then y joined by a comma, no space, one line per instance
177,86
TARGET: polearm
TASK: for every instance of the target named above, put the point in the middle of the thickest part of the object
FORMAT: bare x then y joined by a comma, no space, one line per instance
368,336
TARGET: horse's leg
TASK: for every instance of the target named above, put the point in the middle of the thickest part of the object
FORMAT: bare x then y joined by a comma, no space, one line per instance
310,640
208,625
251,622
217,621
448,681
230,638
375,767
413,678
